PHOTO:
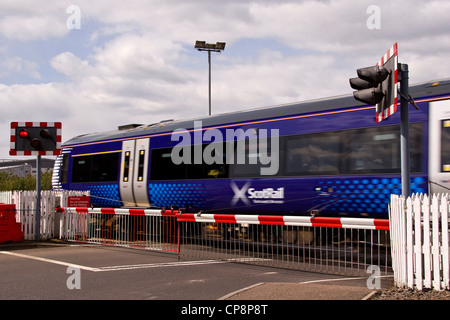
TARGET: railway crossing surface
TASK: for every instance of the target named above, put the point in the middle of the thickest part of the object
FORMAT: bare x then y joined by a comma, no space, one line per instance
64,271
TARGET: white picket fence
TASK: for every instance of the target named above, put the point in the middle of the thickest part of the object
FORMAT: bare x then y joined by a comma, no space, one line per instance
420,241
25,202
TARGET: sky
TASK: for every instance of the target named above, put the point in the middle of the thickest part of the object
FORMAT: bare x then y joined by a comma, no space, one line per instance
95,65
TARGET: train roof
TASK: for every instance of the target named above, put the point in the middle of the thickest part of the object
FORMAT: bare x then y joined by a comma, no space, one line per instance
432,88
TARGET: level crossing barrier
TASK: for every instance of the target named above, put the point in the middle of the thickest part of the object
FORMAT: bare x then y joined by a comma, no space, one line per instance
137,228
323,244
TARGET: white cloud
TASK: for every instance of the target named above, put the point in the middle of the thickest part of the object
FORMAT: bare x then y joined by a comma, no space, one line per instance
68,64
134,61
19,65
28,20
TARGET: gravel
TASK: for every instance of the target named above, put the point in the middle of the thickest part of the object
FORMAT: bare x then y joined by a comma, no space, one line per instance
409,294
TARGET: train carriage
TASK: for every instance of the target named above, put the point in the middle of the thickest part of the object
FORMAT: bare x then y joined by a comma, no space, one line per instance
325,157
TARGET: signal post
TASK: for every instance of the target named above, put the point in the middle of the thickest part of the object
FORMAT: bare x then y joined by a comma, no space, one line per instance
40,139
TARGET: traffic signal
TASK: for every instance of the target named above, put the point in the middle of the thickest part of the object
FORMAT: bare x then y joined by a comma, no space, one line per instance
369,84
31,138
377,85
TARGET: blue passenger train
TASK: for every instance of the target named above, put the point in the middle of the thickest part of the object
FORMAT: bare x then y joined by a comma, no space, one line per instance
324,156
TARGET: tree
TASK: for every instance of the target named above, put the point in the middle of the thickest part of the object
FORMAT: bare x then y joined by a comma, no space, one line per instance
10,182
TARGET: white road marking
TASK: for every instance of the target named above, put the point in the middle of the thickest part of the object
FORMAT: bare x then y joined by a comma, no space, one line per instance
340,279
116,268
62,263
159,265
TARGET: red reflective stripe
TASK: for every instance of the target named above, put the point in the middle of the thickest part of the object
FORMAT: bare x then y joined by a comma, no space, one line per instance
169,213
107,211
225,218
188,217
81,210
326,222
276,220
381,224
137,212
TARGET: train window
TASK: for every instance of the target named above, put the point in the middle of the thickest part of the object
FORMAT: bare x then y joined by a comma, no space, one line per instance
313,154
415,136
81,169
213,164
253,158
377,149
96,168
245,158
356,151
445,146
373,150
65,168
164,168
141,165
126,167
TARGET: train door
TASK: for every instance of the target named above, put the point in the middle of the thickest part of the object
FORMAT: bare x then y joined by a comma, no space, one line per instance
133,173
439,147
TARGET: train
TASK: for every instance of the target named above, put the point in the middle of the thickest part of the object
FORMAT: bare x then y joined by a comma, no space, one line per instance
324,157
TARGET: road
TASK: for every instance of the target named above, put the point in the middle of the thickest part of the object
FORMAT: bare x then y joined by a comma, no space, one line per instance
93,272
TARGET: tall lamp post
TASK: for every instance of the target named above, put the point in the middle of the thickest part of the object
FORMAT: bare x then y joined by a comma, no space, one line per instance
210,47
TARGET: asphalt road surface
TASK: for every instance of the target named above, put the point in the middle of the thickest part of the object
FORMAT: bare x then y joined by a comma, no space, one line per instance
93,272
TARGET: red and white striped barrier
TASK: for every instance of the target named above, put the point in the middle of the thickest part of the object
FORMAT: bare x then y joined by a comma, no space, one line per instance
121,211
305,221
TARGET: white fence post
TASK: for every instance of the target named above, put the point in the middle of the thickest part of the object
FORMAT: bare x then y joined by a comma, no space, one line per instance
398,238
409,244
445,244
425,221
426,242
436,244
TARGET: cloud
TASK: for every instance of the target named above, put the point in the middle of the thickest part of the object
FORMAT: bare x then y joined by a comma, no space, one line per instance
19,65
68,64
34,101
134,61
26,20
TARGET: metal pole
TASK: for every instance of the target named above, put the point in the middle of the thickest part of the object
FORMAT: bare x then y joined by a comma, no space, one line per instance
404,131
209,65
38,198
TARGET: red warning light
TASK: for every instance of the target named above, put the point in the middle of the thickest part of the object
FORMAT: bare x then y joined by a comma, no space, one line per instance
23,134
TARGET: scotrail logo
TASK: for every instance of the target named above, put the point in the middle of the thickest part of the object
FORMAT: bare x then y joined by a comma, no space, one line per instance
249,195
